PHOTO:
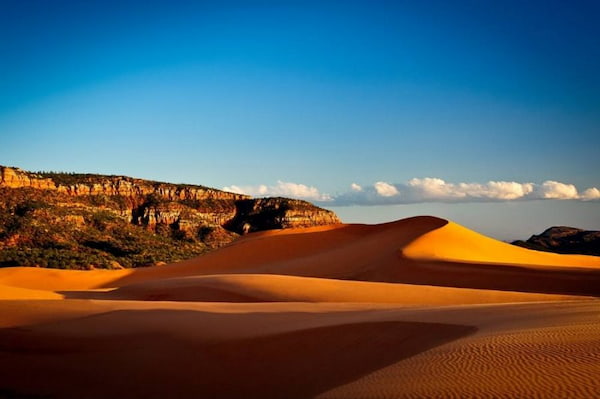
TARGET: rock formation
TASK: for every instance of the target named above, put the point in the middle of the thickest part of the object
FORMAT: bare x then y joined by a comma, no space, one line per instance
565,240
90,184
76,212
150,203
277,213
17,178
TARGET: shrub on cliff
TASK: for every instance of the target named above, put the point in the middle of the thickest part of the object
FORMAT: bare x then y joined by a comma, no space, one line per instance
102,219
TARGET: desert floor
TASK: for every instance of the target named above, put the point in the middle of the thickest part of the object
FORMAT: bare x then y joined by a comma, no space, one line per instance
417,308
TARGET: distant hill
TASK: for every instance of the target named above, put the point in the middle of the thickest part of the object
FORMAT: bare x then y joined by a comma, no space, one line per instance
82,221
564,240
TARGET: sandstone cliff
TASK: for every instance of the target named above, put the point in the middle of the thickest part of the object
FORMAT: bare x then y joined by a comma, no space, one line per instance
134,221
90,184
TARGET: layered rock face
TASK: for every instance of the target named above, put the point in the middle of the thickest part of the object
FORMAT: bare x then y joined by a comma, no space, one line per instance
82,212
17,178
566,240
144,202
150,203
89,184
277,213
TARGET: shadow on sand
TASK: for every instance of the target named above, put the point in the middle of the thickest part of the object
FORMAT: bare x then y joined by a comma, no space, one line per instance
88,361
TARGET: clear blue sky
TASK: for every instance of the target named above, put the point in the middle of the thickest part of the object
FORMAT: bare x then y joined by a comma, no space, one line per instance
321,94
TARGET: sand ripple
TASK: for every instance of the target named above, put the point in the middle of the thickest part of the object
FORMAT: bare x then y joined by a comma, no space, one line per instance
550,362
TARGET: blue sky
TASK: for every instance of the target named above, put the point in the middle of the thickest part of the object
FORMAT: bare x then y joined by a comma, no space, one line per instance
306,98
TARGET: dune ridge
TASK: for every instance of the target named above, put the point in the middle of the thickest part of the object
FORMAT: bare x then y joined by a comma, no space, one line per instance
390,252
8,292
453,242
280,288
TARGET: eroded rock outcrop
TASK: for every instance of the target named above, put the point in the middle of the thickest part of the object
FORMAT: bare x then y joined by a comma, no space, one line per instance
566,240
17,178
90,184
278,213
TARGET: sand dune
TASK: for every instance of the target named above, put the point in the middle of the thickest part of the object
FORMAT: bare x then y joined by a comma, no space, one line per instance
276,288
519,351
152,354
391,252
453,242
8,292
420,307
54,279
329,251
138,349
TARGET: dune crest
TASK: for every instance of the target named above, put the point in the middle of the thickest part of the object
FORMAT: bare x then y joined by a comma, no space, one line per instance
7,292
454,242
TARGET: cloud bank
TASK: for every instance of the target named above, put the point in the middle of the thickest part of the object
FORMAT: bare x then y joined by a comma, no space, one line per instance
430,189
420,190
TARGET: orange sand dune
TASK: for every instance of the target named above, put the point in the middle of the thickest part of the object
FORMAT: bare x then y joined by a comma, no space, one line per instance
8,292
293,251
453,242
180,350
55,279
404,251
276,288
520,351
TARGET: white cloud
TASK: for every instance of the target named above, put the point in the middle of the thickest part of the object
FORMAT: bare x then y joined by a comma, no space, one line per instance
431,189
234,189
590,194
355,187
281,189
507,190
428,189
437,189
556,190
385,189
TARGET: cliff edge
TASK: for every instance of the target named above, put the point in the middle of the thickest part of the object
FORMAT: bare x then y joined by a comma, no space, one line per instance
89,220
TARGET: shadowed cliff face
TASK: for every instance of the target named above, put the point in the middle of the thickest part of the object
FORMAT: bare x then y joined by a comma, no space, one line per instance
277,213
127,218
566,240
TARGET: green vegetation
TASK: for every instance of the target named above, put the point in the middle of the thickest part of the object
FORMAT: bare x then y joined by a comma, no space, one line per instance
49,229
118,221
68,178
71,178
